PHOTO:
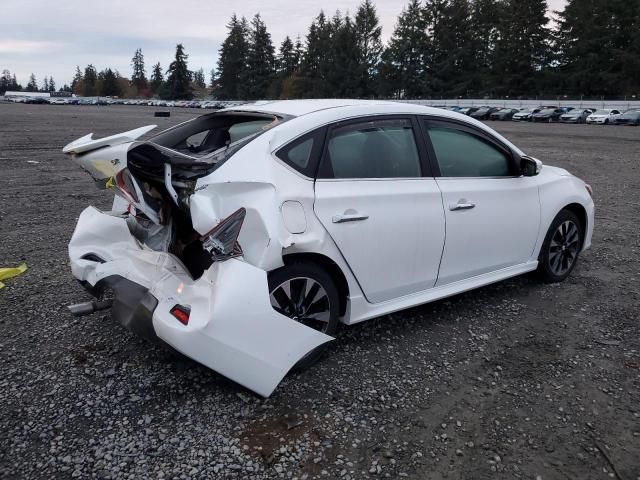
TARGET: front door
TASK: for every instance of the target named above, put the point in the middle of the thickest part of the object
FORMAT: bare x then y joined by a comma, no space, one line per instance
383,213
492,211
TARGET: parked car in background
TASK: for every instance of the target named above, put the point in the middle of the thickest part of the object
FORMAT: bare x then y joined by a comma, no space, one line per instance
503,114
630,117
524,115
468,110
57,101
483,113
548,115
577,115
603,117
37,100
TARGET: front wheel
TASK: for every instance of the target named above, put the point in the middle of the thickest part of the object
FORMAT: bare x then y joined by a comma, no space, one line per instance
305,293
561,248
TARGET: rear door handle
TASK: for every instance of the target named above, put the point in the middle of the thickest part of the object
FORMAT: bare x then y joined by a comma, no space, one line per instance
461,206
353,217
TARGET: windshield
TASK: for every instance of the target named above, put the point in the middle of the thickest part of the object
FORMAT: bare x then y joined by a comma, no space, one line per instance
548,110
602,112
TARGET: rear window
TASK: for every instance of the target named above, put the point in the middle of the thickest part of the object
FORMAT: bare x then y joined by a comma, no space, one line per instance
211,137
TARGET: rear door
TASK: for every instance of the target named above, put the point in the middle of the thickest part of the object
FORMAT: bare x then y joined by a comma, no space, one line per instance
378,201
492,211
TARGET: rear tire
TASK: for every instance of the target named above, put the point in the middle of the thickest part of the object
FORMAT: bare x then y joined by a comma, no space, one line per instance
305,293
561,248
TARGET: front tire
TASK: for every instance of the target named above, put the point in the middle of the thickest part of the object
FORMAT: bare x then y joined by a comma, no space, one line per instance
561,248
305,293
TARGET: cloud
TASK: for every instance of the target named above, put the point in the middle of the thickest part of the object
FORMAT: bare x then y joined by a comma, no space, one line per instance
22,47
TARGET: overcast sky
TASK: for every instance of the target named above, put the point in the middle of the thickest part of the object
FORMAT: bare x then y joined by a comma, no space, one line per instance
51,38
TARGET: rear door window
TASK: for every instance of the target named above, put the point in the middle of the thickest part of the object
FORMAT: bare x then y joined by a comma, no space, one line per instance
384,148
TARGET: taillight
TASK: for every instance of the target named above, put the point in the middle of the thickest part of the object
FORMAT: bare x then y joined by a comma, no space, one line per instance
222,241
125,186
181,314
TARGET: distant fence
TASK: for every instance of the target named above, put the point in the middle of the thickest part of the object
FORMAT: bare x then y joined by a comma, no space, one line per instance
616,104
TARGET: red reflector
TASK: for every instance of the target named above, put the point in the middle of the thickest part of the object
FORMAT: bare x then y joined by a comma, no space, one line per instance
181,313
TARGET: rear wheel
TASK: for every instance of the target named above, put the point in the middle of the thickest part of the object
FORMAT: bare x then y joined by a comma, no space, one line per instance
561,248
305,293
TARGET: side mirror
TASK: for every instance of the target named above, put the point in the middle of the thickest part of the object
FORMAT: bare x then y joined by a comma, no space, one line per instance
530,166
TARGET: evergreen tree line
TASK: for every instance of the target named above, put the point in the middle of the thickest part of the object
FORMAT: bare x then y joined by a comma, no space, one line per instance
8,82
441,48
177,83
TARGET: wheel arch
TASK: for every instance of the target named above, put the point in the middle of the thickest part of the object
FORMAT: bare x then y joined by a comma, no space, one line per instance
331,267
579,211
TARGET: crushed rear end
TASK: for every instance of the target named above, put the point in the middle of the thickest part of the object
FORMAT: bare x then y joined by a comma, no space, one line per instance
176,258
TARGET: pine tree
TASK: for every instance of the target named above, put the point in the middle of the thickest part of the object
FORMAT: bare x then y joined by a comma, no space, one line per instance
157,78
522,49
138,77
343,62
484,28
404,59
368,37
287,62
451,57
32,86
15,86
52,85
598,47
45,84
256,79
232,61
109,86
90,81
77,82
198,79
5,81
315,65
179,77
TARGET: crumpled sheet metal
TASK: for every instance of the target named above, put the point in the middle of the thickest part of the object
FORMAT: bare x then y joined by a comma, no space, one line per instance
8,272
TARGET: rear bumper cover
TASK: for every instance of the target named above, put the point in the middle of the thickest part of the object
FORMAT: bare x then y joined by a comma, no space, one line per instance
232,327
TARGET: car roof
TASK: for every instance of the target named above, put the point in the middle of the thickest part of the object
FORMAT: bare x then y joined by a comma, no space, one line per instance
311,114
299,108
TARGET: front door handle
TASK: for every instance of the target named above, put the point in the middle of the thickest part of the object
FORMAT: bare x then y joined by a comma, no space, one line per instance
461,206
352,217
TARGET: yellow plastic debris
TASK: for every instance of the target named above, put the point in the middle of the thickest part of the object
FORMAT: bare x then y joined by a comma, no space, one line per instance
11,272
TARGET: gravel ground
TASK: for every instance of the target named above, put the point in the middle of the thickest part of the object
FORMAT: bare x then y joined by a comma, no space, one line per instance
515,380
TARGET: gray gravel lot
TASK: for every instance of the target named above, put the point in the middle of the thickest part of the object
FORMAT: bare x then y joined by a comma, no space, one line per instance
515,380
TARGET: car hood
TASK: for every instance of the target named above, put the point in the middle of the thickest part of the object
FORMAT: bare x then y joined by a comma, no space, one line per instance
561,172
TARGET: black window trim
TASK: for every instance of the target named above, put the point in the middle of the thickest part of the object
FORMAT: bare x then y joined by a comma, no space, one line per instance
423,155
316,152
426,121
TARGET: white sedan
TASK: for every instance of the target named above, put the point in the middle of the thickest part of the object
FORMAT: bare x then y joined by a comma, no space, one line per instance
242,238
604,116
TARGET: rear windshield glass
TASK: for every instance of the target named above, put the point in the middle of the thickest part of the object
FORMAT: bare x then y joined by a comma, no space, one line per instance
214,137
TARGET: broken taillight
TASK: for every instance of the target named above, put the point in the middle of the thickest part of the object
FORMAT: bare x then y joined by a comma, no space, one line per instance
222,241
181,314
125,186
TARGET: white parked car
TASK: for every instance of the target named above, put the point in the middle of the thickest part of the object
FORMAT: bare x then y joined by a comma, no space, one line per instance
242,238
603,116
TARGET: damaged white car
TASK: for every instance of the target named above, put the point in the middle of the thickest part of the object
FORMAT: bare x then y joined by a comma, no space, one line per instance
242,238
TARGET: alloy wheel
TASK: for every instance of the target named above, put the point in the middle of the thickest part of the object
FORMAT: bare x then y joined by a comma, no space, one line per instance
304,300
564,246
